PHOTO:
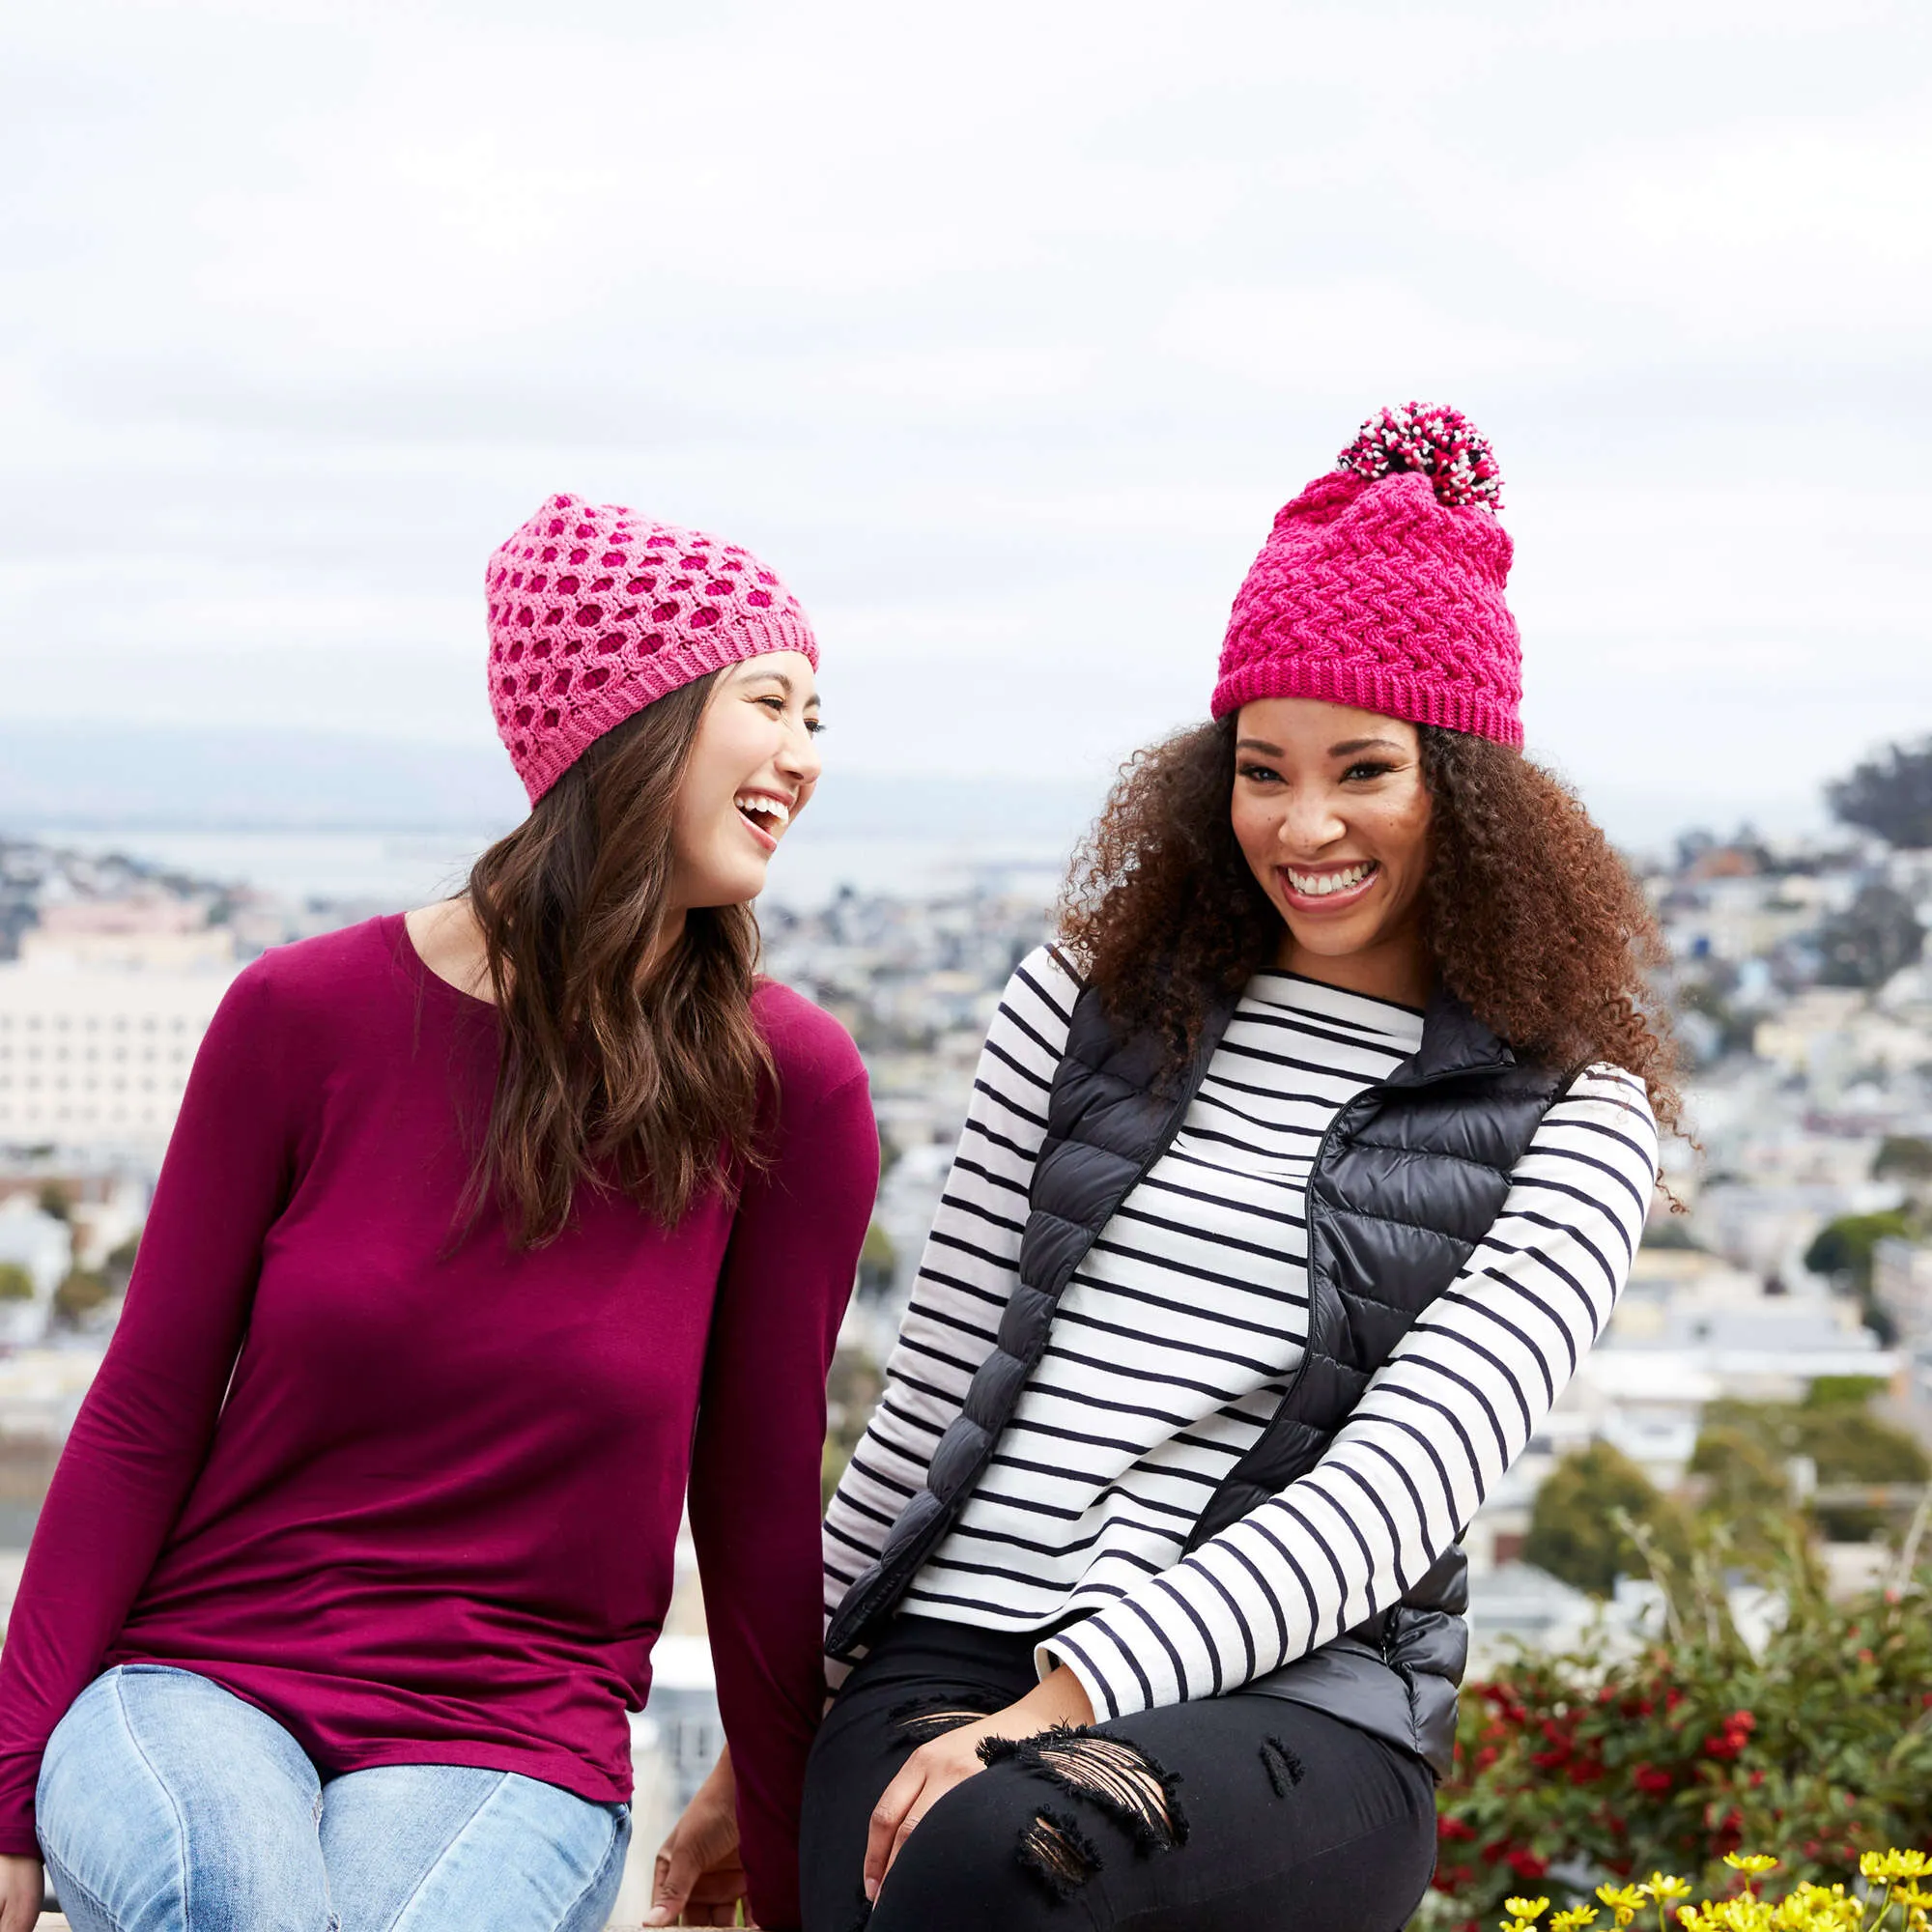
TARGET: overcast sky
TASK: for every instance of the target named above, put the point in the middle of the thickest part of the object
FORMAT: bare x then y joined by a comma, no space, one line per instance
1002,330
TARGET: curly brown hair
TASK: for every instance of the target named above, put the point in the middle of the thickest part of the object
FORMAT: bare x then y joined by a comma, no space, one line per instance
1530,916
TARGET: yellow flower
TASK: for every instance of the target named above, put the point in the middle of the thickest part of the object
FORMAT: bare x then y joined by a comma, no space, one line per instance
1517,1924
1623,1898
1527,1908
1664,1889
1753,1862
1574,1919
1913,1895
1814,1908
1883,1866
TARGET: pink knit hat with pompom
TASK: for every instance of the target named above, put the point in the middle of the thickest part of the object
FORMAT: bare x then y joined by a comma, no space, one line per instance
1380,587
595,611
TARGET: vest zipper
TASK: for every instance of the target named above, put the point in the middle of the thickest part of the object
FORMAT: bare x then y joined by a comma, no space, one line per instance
1375,1093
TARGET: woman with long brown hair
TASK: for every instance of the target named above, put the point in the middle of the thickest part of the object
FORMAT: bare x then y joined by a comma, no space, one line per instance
1297,1178
485,1232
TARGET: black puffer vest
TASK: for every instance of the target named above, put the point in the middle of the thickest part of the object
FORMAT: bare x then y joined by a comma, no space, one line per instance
1410,1177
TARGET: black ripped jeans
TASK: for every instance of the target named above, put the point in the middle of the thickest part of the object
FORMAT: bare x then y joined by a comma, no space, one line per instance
1236,1810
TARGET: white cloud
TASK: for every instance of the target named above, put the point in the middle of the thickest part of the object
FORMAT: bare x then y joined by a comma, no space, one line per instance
1003,333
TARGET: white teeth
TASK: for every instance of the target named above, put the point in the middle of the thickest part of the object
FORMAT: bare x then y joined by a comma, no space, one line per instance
1318,884
758,804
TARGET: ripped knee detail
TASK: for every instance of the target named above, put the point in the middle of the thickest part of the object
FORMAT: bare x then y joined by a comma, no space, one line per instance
1120,1778
921,1720
1283,1767
1058,1853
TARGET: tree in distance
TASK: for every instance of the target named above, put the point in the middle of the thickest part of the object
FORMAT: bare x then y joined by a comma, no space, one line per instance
78,1295
1905,1158
852,1391
15,1283
1873,938
1889,794
1845,1248
1747,1492
1578,1525
1843,1391
878,1260
1743,1450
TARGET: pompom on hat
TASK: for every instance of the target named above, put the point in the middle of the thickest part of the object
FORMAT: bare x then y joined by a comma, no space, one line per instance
1380,587
596,612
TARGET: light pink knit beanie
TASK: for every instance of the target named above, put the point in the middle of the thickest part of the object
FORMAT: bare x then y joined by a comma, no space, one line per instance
595,611
1380,587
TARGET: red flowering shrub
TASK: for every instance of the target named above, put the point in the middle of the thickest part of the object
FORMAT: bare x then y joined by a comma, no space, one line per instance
1578,1768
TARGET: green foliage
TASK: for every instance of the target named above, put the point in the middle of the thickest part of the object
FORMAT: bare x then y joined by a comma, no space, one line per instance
1575,1767
877,1259
1579,1527
79,1294
1845,1247
15,1283
1890,794
53,1199
1903,1157
1842,1391
1848,1443
852,1390
1870,940
1741,1440
1850,1446
1750,1490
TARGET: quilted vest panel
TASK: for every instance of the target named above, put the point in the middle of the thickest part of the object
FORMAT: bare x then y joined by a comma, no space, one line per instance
1410,1177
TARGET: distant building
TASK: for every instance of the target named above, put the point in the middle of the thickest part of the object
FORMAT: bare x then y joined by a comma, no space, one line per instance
1517,1603
1902,1285
42,1245
1688,1323
908,1200
151,931
1833,1034
99,1056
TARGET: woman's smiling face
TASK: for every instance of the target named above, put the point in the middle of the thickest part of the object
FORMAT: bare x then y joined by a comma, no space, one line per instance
1332,811
751,770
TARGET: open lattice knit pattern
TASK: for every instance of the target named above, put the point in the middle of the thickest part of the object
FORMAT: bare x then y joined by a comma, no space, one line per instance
595,611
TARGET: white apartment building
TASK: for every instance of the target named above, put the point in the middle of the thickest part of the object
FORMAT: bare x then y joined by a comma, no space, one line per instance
95,1056
148,932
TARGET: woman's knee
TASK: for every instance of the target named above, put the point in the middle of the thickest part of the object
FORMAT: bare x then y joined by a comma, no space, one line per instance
211,1819
1000,1848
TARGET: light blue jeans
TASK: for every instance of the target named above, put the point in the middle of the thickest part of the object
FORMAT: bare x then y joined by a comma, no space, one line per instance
166,1805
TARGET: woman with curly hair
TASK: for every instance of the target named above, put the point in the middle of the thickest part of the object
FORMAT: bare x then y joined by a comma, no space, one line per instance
1296,1180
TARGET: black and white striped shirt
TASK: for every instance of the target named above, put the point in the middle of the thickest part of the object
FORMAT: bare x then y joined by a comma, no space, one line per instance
1178,1335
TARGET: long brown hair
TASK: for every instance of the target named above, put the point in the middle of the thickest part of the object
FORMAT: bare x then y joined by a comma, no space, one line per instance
616,1071
1530,916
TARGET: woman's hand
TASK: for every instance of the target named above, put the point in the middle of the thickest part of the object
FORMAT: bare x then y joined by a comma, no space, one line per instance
954,1756
20,1891
700,1876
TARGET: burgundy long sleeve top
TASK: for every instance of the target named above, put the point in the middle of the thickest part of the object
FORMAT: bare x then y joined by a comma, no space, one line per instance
411,1493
